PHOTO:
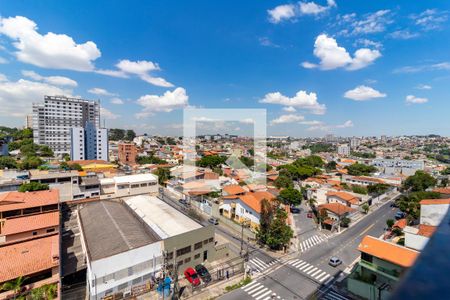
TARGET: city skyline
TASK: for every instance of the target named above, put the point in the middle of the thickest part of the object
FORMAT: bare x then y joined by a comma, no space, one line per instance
319,67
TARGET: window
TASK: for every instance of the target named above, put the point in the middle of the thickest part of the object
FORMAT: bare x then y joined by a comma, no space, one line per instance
183,251
197,256
143,184
34,232
179,263
50,230
187,260
205,242
198,245
170,255
133,186
211,240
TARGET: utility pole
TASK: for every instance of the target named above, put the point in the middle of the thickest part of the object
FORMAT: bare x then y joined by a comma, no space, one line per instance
175,276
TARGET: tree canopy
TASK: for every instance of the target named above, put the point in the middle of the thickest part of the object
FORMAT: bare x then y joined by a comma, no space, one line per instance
358,169
290,196
33,186
7,162
411,203
211,161
273,230
420,181
151,159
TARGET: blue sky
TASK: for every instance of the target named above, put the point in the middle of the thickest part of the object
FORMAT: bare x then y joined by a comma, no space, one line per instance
318,67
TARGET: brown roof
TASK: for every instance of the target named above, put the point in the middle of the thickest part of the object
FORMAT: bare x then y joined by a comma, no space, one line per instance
435,201
426,230
29,223
390,252
400,223
233,189
253,200
345,196
337,208
23,259
442,190
89,161
18,200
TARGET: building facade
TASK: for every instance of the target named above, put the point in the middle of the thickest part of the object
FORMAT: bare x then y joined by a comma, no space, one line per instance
343,150
53,119
127,153
89,143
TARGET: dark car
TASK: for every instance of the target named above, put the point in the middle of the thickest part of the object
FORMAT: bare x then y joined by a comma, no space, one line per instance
393,204
295,210
213,221
192,276
399,215
203,273
184,202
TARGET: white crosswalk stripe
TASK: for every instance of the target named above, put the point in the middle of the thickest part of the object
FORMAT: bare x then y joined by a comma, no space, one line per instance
259,292
311,242
259,265
310,270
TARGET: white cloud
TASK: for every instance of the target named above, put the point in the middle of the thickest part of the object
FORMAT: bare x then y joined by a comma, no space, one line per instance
369,43
3,60
289,109
265,41
107,114
287,119
55,80
57,51
320,126
373,23
281,13
100,92
363,93
16,97
411,99
311,8
167,102
346,124
430,19
301,100
421,68
333,56
116,101
403,34
423,87
3,77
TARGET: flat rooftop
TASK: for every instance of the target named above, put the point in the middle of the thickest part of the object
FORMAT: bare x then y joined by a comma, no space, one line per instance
165,220
110,228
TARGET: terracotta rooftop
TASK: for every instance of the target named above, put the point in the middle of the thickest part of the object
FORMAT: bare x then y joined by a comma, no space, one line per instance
18,200
233,189
442,190
345,196
390,252
89,161
426,230
337,208
23,259
434,201
400,223
253,200
30,223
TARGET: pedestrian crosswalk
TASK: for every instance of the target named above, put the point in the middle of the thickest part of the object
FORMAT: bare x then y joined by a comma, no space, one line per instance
310,242
310,270
259,265
332,295
258,291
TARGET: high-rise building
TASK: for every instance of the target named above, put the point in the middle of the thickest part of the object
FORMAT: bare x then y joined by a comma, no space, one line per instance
88,143
29,121
355,143
53,119
343,150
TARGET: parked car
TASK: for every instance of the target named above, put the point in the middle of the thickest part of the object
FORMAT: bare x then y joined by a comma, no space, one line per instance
393,204
309,214
295,210
184,202
192,276
203,273
213,221
399,215
334,261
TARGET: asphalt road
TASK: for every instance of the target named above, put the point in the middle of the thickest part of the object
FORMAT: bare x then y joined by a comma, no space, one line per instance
299,277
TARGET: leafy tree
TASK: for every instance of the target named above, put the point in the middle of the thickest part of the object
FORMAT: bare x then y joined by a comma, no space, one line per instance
358,169
130,135
330,166
363,154
290,196
411,203
420,181
359,189
311,161
279,233
32,186
323,215
64,165
283,181
31,162
46,151
390,223
446,171
171,141
66,157
116,134
251,152
345,221
163,175
312,202
320,147
14,285
7,162
29,149
211,161
247,161
365,207
150,160
265,219
377,189
444,182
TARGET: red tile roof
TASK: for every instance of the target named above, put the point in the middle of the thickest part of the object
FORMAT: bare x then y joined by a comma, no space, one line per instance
336,208
434,201
18,200
400,223
426,230
345,196
30,223
23,259
442,190
233,189
253,200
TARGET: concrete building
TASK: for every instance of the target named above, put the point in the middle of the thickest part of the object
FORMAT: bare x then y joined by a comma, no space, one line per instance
398,166
147,227
122,186
29,121
127,153
53,119
343,150
89,143
3,147
355,143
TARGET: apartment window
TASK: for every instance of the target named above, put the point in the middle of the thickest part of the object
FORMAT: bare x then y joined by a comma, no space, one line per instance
211,240
50,230
34,232
187,260
133,186
205,242
198,245
197,256
143,184
179,263
183,251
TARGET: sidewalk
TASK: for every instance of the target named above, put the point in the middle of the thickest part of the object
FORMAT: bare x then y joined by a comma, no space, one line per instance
214,290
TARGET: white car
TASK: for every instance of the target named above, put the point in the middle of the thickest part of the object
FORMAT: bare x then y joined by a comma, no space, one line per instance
334,261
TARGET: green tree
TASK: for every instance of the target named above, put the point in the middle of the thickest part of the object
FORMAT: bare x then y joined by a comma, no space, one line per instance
311,202
32,186
446,171
345,221
66,157
7,162
411,203
211,161
130,135
290,196
247,161
420,181
116,134
46,151
390,223
365,207
358,169
330,166
151,159
283,181
279,234
14,285
31,162
29,149
377,189
359,189
163,175
265,219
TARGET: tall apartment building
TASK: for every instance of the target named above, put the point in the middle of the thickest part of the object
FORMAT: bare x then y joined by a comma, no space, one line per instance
88,143
355,143
343,150
53,119
127,153
29,121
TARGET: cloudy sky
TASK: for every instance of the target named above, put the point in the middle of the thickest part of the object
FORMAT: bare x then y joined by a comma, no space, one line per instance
342,67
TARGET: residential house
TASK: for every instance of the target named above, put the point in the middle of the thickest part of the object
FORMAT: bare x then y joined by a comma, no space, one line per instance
345,198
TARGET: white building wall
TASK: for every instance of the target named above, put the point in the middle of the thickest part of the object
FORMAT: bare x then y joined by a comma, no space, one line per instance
77,149
413,240
432,214
246,212
102,144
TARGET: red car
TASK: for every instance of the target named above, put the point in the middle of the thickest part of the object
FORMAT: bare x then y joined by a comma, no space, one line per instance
192,276
309,215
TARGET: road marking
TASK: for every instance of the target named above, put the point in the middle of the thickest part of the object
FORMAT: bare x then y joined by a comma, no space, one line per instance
259,292
312,270
316,272
303,263
263,295
304,266
367,229
292,262
331,295
308,268
321,275
249,287
256,290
